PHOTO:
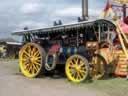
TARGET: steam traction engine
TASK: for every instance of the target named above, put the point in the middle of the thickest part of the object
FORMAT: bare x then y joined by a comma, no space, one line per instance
75,47
86,49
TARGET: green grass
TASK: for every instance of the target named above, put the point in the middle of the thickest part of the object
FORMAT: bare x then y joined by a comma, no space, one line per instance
110,87
7,59
9,63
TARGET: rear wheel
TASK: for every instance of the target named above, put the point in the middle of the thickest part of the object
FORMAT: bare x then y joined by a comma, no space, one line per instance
77,68
32,58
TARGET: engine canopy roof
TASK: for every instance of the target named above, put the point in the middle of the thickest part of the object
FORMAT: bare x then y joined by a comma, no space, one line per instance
63,28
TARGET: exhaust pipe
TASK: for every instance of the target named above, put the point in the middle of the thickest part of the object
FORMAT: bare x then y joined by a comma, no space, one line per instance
85,10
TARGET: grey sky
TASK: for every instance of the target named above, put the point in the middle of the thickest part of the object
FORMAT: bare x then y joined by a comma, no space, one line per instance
16,14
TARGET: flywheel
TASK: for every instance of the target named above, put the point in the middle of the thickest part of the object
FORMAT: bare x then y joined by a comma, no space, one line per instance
98,68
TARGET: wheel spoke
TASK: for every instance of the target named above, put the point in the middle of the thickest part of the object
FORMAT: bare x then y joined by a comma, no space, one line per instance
25,52
31,58
82,71
26,63
37,63
83,68
25,56
29,50
29,69
35,67
26,66
81,62
33,50
76,60
24,59
37,58
98,67
76,69
82,74
81,65
72,66
73,74
78,75
36,54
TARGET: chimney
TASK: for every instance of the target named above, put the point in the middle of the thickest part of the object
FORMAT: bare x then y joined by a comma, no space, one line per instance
85,10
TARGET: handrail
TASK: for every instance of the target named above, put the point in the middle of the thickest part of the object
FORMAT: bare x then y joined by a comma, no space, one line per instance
121,31
121,40
118,28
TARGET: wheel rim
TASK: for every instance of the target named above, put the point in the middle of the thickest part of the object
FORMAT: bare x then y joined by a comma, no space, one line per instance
98,69
76,68
31,60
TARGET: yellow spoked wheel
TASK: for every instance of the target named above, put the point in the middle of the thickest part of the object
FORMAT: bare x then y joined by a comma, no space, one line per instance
77,68
31,60
98,68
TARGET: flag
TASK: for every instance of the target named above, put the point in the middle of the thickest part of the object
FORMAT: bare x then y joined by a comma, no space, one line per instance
106,9
121,1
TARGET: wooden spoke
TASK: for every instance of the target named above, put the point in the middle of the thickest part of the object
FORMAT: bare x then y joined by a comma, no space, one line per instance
76,68
98,69
31,58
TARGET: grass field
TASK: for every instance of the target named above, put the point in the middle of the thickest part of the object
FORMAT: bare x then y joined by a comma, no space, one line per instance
7,59
111,87
107,87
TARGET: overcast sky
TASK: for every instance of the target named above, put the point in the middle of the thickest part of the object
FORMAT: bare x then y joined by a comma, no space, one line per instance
15,14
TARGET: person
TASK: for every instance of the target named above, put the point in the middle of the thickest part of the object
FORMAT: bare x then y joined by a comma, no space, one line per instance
112,36
4,52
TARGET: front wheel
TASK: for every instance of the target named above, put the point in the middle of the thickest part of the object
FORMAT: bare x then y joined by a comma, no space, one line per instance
77,68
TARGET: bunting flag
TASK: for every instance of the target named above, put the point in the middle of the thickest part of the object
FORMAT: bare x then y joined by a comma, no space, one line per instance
108,8
121,1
